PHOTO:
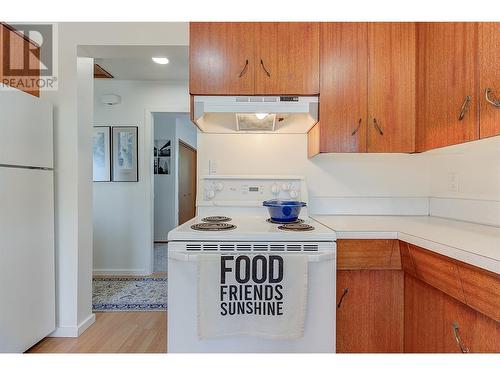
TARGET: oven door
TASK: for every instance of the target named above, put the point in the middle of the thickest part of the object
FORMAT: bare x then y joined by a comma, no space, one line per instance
319,331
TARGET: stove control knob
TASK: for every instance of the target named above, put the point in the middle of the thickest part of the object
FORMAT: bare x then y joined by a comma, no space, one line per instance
294,194
219,186
285,187
275,189
210,194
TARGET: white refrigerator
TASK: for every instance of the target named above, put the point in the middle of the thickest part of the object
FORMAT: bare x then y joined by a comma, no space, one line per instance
27,276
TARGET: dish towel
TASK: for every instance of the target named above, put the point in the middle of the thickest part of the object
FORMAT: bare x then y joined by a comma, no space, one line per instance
260,295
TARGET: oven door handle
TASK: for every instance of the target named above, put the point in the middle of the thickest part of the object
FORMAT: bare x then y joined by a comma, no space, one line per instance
186,257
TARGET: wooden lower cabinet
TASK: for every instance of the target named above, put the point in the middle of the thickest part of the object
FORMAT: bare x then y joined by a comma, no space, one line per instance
430,318
370,315
394,297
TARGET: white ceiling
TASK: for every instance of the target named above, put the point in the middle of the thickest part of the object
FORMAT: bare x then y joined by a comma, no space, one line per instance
134,62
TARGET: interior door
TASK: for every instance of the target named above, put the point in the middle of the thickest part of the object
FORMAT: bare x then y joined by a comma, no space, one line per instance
489,94
221,58
343,104
187,182
447,84
391,87
287,58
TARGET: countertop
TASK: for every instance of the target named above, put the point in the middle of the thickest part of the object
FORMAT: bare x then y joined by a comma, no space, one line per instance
474,244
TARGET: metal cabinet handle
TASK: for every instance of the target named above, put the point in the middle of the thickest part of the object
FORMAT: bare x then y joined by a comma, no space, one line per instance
346,290
495,103
264,67
357,129
377,126
465,107
242,73
463,348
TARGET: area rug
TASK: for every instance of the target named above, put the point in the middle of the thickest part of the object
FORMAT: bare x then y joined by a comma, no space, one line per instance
129,294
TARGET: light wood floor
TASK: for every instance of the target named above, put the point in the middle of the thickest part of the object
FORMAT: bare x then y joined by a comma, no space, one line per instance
114,332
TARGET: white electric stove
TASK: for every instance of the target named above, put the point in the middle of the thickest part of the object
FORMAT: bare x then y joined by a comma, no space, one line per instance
231,219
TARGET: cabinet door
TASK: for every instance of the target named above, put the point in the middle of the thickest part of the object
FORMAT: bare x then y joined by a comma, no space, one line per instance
425,328
489,93
287,58
221,58
447,83
343,104
391,87
370,315
434,321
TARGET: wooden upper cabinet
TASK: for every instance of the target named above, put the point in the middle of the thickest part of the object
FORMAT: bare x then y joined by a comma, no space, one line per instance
446,84
221,58
245,58
19,59
343,86
489,87
287,58
391,87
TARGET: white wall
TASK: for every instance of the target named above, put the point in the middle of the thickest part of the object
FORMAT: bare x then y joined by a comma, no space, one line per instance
476,166
328,175
85,116
122,212
465,181
70,225
177,127
164,189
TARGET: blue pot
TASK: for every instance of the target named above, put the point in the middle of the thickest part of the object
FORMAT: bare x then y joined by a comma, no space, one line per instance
283,211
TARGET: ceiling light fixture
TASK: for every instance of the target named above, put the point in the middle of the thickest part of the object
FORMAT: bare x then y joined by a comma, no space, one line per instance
160,60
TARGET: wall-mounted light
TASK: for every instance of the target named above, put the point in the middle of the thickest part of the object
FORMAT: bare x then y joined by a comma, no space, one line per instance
160,60
111,99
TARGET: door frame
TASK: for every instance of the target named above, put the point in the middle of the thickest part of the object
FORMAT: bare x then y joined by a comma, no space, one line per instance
148,144
179,143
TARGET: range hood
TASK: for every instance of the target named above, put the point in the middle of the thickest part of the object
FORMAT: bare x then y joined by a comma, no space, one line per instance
256,114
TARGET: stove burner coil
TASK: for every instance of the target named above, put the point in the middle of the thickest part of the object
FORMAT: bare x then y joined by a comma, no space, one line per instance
213,226
298,221
216,219
296,227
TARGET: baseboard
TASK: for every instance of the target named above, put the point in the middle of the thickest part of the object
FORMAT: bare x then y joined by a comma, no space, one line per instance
82,327
74,331
119,272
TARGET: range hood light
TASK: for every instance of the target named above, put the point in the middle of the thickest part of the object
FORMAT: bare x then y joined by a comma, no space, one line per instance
160,60
261,116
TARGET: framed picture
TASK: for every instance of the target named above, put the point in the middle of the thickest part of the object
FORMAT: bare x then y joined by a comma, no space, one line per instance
163,165
161,152
125,154
101,152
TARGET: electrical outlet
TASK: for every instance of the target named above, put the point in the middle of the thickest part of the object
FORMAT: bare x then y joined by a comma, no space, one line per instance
212,167
453,182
